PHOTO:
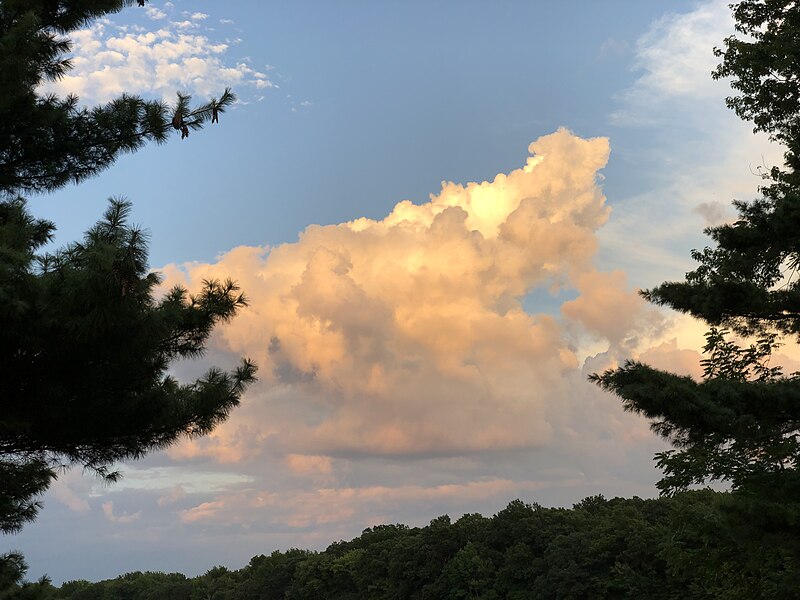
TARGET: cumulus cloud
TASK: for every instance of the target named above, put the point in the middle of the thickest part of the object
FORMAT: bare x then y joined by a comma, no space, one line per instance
669,357
110,59
154,13
406,336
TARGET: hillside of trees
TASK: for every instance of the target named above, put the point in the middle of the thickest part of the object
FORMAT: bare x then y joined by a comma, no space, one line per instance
692,545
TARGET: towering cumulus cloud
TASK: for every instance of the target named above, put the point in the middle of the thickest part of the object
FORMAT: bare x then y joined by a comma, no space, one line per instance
407,336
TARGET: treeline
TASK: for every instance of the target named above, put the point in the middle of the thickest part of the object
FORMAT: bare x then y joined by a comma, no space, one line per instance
699,544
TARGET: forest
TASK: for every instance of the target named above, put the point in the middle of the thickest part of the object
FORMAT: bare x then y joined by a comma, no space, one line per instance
738,425
693,545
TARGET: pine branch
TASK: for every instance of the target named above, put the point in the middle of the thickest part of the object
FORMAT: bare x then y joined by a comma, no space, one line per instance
36,172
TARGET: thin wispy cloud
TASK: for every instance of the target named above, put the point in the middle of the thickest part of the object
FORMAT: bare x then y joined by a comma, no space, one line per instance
701,154
675,59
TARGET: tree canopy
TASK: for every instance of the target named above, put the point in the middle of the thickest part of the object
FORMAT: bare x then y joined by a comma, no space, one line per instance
619,548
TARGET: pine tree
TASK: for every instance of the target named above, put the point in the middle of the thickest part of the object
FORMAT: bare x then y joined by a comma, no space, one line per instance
46,141
85,344
742,422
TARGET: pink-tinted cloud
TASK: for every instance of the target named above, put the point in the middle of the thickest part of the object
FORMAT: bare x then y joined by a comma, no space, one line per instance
63,491
325,506
202,511
124,518
176,494
606,306
406,336
305,464
668,357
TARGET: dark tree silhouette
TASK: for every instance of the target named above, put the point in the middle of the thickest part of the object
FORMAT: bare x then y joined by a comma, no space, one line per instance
85,344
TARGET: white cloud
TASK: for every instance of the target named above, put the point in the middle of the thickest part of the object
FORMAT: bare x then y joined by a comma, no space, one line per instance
676,59
110,60
155,14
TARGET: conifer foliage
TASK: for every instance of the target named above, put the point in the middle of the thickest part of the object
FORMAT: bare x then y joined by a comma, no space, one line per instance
85,339
46,141
742,423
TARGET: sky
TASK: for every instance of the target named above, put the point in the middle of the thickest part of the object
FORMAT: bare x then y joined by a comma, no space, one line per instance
441,213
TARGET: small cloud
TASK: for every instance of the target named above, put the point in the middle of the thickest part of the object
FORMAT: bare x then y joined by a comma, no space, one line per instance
668,357
108,511
155,14
226,21
63,492
613,48
177,493
304,464
198,16
714,213
202,512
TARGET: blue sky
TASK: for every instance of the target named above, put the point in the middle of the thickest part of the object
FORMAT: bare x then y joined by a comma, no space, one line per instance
403,96
431,356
